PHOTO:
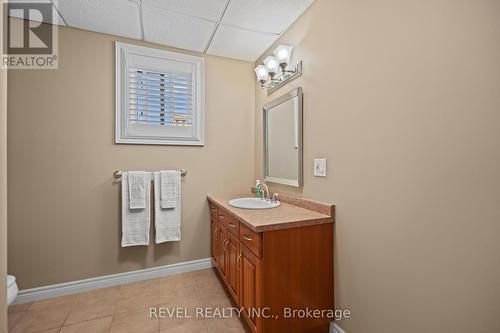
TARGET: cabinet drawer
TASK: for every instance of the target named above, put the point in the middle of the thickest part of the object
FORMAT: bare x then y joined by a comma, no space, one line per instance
230,222
251,239
213,210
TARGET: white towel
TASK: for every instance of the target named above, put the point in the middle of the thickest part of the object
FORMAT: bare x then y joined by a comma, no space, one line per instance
167,221
135,222
168,188
137,188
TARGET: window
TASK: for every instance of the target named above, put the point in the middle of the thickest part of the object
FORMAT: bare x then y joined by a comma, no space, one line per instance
159,97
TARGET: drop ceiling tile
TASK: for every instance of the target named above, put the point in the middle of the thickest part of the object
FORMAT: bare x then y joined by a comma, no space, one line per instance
272,16
207,9
176,30
115,17
37,17
239,43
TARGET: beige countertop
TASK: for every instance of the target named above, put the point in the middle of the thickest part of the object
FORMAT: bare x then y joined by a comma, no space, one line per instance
282,217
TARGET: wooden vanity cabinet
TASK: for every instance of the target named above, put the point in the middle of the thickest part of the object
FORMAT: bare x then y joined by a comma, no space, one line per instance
250,288
251,239
226,256
221,250
240,269
232,267
266,272
215,236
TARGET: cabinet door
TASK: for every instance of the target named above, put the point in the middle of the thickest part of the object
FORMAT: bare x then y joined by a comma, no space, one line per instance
215,240
250,288
222,263
232,273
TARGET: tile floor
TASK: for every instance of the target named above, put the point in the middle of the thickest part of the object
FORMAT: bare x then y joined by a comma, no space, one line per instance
126,308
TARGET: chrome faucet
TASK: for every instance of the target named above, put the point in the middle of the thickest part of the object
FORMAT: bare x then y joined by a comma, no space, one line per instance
259,188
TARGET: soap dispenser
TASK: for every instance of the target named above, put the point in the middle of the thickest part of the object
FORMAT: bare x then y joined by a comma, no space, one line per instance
258,193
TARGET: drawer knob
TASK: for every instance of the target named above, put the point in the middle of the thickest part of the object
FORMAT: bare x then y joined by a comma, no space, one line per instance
247,238
232,225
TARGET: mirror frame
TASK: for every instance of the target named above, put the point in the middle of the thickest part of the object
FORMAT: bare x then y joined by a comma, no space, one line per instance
297,92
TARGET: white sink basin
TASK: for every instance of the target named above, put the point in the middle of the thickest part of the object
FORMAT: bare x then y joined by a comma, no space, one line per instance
253,203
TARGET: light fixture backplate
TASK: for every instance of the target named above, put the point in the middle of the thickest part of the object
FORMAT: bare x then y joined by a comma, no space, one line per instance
296,71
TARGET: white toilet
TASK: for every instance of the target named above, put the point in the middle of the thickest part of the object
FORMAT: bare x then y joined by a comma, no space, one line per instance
11,289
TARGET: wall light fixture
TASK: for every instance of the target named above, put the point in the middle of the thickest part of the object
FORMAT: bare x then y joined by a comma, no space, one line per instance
275,71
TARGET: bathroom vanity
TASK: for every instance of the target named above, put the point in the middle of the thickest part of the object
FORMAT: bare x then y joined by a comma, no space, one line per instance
274,261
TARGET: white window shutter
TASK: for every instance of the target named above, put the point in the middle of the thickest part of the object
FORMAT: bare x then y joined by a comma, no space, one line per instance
159,97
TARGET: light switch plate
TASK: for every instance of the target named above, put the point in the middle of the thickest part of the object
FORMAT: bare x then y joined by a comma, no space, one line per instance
320,167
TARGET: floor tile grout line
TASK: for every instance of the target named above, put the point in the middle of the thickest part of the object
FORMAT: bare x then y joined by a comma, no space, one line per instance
20,319
83,321
111,324
193,282
67,316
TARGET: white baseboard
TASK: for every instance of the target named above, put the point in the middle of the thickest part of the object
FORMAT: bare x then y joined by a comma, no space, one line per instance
334,328
74,287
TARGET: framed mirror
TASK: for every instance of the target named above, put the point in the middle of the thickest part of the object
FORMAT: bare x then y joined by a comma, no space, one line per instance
283,139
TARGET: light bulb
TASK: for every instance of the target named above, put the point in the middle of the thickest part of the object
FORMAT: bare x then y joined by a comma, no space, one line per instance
271,65
283,53
261,73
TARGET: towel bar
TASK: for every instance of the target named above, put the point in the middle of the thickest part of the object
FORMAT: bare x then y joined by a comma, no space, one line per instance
118,173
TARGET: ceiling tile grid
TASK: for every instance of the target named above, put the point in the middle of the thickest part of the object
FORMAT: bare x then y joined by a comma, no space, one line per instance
36,16
239,43
115,17
177,30
271,16
207,9
240,29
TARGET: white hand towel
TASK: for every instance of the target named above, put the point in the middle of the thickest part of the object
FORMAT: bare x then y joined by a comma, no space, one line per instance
168,188
137,188
167,221
135,222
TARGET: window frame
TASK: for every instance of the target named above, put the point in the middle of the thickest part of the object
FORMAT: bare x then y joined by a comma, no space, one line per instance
122,50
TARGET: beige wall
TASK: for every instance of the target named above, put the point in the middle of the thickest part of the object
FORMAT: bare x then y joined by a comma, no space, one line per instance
3,188
64,215
403,98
